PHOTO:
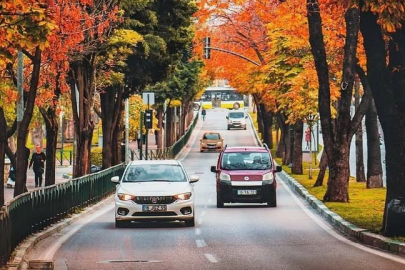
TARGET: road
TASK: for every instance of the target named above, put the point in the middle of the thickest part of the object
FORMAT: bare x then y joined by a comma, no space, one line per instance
239,236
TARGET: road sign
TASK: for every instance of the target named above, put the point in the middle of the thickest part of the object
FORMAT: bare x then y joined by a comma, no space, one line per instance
148,98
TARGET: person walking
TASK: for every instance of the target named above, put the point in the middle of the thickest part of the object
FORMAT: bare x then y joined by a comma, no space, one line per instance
38,160
203,113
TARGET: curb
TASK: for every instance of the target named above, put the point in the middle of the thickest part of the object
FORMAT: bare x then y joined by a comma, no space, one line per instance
352,231
19,261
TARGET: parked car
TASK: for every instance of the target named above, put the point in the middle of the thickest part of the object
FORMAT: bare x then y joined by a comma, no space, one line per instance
236,119
246,175
211,141
151,190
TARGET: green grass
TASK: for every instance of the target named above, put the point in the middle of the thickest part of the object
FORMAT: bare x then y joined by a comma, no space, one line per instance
366,206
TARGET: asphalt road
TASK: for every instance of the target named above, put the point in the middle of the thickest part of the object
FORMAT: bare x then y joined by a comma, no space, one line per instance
239,236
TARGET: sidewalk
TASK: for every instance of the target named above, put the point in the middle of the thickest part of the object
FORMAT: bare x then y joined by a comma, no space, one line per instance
61,171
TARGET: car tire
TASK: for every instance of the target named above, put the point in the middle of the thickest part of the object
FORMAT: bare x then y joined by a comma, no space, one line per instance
201,151
121,223
189,222
244,128
220,203
273,202
229,127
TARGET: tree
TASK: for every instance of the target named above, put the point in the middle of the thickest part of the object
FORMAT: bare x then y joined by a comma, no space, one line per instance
385,59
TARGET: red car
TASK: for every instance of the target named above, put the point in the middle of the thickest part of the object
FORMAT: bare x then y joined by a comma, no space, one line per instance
246,175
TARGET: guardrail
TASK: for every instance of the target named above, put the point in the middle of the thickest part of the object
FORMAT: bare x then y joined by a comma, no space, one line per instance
33,211
168,152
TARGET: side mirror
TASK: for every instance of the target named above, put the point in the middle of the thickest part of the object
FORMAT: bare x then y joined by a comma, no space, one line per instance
115,179
246,116
227,117
278,169
194,178
214,169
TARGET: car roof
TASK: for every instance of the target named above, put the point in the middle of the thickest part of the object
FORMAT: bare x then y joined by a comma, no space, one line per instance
212,132
245,149
145,162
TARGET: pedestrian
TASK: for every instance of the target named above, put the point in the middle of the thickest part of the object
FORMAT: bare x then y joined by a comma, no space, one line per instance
203,113
307,137
38,163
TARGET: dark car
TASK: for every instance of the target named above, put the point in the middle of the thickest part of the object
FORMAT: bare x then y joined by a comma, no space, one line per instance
246,175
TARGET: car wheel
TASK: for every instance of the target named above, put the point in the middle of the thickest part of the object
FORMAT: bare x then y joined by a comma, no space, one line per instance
201,151
220,203
229,127
189,222
273,202
244,128
121,223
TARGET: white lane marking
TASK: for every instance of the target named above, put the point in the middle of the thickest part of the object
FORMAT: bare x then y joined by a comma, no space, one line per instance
200,221
329,230
200,243
197,231
211,258
50,252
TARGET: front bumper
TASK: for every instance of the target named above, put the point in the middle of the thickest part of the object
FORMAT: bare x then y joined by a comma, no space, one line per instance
237,125
229,194
210,147
178,210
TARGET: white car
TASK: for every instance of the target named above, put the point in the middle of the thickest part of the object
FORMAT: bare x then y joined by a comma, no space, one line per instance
154,190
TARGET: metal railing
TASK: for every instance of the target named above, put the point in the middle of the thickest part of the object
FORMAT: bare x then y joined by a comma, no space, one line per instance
33,211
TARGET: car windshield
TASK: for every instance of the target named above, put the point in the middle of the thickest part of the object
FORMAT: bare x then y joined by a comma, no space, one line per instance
211,136
236,115
154,173
246,161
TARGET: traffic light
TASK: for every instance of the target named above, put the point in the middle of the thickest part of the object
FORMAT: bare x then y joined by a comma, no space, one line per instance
148,119
207,48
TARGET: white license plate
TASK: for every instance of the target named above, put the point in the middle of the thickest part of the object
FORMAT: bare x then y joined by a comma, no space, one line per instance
247,192
154,208
211,146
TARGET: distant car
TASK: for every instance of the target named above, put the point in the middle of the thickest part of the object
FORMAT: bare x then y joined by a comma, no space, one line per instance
236,119
151,190
246,175
211,141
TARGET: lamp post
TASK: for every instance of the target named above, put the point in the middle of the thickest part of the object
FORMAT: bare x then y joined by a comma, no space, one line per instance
61,114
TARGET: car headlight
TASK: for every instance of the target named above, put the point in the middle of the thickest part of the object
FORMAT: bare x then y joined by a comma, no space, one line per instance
183,196
224,177
126,197
268,178
203,143
229,121
219,143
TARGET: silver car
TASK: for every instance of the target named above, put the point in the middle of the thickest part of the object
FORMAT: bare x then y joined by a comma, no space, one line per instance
154,190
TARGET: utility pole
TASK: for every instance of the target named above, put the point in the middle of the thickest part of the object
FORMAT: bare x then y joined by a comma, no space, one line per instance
126,130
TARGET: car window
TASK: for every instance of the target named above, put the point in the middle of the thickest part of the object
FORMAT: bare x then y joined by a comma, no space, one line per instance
236,115
211,136
154,172
246,161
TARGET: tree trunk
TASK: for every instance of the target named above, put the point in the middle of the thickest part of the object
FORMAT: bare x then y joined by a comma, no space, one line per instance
297,155
160,126
52,125
323,164
22,158
260,124
374,166
387,85
111,107
82,74
280,153
169,127
3,142
267,123
360,174
339,171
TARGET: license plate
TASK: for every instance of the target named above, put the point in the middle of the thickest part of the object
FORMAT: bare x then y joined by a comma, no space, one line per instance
247,192
154,208
211,146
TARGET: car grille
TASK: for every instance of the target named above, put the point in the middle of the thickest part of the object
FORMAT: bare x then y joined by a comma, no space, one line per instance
212,144
155,200
154,214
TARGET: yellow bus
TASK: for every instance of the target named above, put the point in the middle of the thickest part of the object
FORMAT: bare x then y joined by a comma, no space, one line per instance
222,97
